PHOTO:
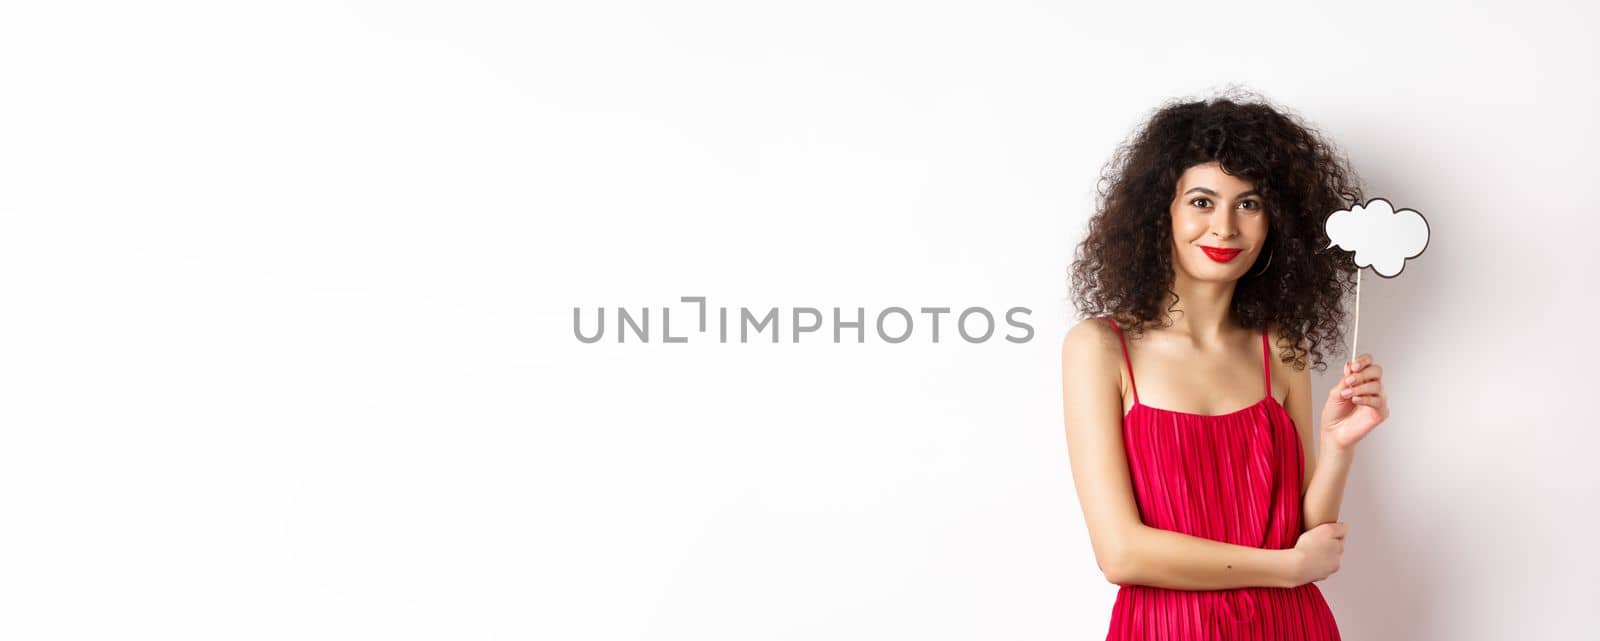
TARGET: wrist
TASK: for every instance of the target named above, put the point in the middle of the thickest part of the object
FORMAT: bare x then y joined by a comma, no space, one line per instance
1328,446
1291,566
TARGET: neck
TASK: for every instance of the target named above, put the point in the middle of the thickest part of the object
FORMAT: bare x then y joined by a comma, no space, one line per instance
1201,310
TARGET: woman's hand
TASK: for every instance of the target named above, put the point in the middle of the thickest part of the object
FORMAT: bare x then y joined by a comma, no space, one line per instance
1318,552
1356,405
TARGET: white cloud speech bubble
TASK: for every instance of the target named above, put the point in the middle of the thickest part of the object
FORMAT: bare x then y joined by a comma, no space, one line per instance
1380,236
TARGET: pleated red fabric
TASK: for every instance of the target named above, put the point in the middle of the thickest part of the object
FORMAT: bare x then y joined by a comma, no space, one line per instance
1231,477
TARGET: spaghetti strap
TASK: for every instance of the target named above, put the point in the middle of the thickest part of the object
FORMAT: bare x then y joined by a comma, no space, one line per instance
1266,365
1127,361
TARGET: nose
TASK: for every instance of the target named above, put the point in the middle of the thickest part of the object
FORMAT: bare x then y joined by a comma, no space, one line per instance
1223,227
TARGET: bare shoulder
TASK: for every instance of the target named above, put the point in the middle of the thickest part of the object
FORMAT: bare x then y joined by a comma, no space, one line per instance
1091,355
1091,340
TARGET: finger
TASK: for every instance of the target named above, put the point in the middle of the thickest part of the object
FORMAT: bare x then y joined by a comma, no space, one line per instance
1363,389
1362,361
1371,373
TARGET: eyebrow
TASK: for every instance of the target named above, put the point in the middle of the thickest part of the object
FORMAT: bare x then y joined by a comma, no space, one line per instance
1212,193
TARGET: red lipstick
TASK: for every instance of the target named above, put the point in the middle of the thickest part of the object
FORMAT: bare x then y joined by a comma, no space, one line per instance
1219,254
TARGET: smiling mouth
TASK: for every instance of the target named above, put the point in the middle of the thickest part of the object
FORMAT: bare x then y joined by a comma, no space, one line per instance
1219,254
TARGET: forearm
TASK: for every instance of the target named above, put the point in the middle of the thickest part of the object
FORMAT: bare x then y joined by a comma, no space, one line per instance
1326,491
1177,561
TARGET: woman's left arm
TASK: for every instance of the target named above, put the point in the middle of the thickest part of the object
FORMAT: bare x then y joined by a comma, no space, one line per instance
1354,407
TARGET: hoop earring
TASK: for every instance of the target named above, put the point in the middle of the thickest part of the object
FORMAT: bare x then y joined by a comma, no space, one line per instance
1263,269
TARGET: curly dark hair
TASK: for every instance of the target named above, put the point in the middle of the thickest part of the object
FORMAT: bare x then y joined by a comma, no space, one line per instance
1123,268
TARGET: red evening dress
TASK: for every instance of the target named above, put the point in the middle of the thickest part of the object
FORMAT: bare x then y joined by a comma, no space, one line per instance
1233,478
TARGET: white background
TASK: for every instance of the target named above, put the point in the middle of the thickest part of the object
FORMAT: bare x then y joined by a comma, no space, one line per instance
288,291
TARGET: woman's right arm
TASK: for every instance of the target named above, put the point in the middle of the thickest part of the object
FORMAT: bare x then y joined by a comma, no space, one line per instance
1128,551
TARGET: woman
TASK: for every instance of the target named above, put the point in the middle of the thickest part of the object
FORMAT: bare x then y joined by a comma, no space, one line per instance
1204,272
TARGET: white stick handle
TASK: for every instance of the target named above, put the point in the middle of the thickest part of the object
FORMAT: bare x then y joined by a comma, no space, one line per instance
1356,333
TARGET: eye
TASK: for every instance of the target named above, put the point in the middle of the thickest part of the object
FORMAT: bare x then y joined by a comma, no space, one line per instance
1198,203
1252,204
